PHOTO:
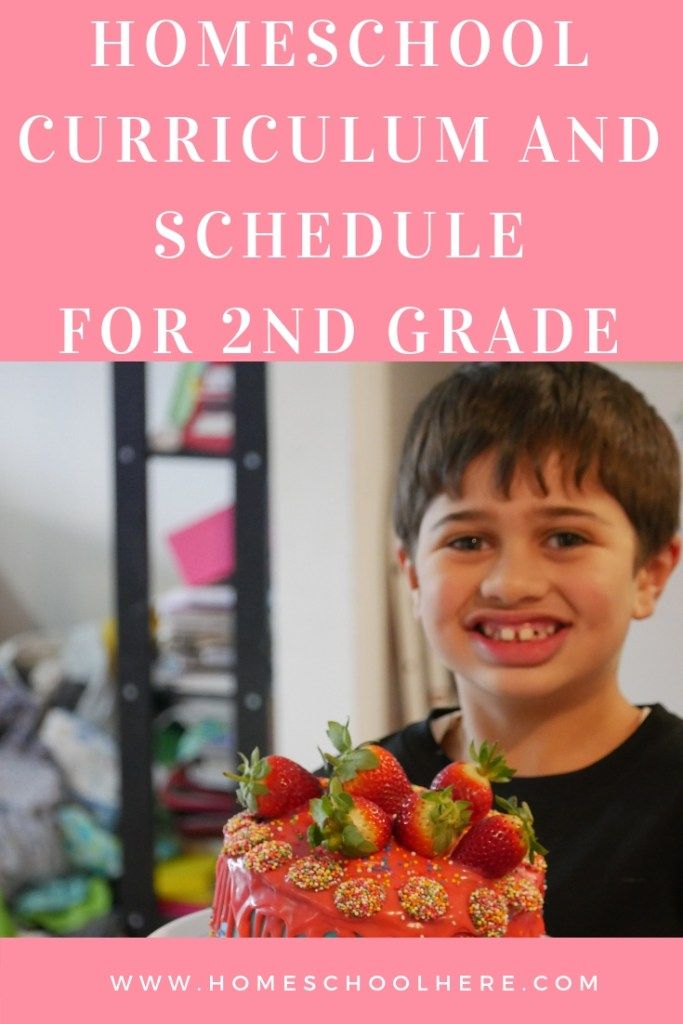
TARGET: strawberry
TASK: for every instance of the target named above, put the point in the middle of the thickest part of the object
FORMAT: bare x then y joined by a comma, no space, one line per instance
471,780
369,771
350,825
273,785
496,845
430,822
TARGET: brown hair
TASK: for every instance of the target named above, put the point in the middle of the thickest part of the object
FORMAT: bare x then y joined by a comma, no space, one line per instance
526,411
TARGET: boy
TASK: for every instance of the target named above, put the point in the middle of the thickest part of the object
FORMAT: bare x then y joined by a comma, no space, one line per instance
536,509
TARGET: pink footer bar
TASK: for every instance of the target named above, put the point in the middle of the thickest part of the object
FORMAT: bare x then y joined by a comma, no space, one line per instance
136,980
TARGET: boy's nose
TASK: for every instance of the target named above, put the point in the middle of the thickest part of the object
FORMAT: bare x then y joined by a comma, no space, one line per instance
513,578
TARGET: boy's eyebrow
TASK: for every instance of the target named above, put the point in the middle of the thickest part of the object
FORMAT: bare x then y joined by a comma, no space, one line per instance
558,511
545,512
456,517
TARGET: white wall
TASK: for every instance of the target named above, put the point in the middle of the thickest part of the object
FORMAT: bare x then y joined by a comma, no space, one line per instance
56,495
56,510
312,505
651,663
335,433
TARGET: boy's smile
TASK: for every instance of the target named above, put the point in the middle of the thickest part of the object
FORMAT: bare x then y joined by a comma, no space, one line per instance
517,639
529,595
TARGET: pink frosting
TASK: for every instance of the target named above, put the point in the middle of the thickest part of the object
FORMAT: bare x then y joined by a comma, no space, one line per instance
265,904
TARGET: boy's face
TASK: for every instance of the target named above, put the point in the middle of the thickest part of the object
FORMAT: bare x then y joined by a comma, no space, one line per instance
530,595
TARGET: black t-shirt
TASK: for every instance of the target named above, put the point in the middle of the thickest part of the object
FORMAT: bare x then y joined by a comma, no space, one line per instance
614,830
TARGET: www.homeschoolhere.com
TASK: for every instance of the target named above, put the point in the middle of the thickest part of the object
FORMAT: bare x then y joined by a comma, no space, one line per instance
283,983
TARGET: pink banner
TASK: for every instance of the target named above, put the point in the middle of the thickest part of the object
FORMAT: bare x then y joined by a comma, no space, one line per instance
182,979
367,183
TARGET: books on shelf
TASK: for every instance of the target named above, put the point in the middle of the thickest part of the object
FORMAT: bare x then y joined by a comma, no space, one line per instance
195,641
196,683
200,417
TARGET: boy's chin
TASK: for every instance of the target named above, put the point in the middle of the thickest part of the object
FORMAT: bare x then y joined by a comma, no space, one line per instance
518,684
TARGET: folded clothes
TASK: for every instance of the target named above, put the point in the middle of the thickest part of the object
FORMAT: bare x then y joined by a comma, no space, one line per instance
52,897
19,712
87,844
28,782
31,846
89,759
65,906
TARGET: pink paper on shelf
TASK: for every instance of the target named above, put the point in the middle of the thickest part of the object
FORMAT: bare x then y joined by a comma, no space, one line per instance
205,550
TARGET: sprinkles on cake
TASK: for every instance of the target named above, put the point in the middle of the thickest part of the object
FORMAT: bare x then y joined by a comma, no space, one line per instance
240,842
520,894
488,912
423,899
237,822
315,873
268,856
359,897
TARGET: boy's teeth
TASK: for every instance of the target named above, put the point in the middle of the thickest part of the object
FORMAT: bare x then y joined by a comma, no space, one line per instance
523,632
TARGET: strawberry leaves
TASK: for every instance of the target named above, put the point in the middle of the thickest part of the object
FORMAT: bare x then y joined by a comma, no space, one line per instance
272,785
430,822
523,814
342,825
490,762
447,818
369,771
250,775
351,760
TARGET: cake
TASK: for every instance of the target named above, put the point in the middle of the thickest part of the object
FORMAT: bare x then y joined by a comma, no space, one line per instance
293,873
270,884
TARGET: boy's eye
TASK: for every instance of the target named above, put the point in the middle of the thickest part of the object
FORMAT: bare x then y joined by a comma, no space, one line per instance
565,539
472,543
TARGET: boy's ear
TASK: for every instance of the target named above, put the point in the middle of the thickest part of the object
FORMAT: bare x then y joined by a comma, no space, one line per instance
408,568
652,576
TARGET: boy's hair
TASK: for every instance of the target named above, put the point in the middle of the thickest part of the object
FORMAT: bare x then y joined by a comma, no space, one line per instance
526,411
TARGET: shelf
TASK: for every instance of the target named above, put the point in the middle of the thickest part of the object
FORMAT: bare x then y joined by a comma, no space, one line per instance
252,629
183,453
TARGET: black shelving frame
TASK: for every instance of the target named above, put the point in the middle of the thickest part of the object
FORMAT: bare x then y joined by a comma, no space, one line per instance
252,626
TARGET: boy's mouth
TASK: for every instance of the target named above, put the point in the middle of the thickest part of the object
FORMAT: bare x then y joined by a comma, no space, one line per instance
523,632
516,641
